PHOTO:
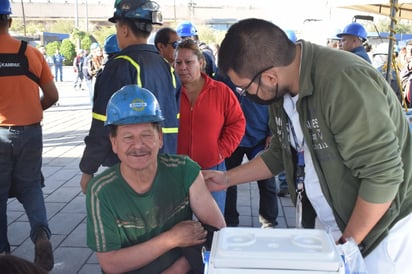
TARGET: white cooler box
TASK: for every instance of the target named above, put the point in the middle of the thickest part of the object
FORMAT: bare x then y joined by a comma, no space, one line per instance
255,250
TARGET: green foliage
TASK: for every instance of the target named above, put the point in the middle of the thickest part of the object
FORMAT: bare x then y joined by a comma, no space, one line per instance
383,25
32,29
62,26
68,49
86,42
51,48
78,34
209,35
101,33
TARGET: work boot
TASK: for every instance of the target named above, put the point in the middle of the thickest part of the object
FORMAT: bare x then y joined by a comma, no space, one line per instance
43,251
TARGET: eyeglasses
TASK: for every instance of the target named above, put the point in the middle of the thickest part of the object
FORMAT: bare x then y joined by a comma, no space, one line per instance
243,91
174,44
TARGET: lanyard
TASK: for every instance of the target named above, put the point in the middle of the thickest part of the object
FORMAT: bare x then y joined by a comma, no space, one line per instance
300,174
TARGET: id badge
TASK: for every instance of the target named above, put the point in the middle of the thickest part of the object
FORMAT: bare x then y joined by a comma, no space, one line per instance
299,210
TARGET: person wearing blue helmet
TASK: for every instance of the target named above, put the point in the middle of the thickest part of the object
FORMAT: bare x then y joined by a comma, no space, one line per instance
139,211
110,46
187,30
352,39
291,35
339,133
136,63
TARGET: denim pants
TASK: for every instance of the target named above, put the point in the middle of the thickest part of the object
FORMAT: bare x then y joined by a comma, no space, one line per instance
20,171
219,196
58,69
268,204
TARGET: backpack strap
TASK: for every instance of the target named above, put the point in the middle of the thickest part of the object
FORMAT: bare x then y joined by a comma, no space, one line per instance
16,64
29,74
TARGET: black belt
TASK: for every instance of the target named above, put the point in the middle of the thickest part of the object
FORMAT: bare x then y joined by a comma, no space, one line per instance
20,127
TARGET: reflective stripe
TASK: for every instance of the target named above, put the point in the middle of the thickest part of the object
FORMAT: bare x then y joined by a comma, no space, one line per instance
172,70
170,130
103,118
136,65
99,117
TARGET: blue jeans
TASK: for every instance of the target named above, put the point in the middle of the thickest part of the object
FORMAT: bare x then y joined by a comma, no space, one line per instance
268,204
20,173
58,69
90,87
219,196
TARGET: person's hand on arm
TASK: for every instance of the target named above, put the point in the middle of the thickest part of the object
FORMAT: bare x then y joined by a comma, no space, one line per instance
251,171
183,234
203,205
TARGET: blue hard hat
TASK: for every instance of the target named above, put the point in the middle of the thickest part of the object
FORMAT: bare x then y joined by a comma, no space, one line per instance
110,44
354,29
291,35
5,7
144,10
133,105
94,46
186,29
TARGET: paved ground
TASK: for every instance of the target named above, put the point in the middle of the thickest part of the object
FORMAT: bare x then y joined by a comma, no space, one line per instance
64,127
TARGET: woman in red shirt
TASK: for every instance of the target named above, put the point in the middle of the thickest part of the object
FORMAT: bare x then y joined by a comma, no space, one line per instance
212,123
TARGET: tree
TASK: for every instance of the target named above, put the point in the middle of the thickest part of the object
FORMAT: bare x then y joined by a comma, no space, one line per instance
51,48
86,42
68,50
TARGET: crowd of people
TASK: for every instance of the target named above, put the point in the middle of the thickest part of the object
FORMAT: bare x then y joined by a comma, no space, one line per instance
173,121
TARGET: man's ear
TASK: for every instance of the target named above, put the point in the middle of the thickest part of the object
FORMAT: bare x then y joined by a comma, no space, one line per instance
161,138
123,30
160,46
113,142
270,77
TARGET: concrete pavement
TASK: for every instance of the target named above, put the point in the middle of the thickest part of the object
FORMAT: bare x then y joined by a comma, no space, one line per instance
64,128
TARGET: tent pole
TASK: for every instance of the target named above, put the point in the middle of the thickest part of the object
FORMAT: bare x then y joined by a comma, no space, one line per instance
393,11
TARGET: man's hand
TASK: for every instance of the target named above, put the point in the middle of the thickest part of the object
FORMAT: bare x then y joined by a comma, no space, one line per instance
84,181
215,180
187,233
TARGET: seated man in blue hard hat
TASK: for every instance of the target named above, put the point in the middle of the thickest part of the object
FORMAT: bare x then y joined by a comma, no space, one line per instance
352,39
139,212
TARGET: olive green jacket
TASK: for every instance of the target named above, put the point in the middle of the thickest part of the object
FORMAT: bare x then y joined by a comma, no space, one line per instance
357,134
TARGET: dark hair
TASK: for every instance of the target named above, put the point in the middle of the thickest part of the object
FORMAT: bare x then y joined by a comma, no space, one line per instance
193,46
253,44
4,20
11,264
163,36
139,28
